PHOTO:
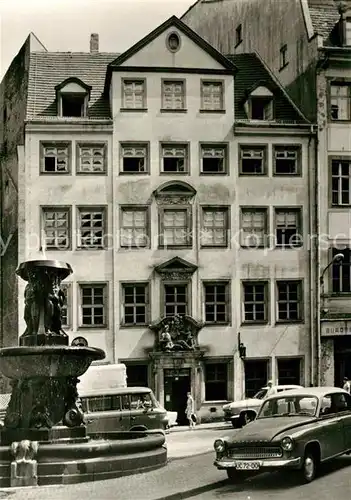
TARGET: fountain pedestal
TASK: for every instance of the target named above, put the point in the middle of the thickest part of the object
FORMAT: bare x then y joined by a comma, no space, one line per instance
44,431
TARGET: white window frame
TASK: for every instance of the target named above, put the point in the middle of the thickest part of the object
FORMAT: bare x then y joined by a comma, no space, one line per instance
298,302
55,210
210,229
97,210
265,302
287,153
178,151
253,152
93,155
340,105
104,305
176,96
215,303
136,241
214,151
210,94
61,152
286,213
137,92
135,150
187,241
340,177
254,235
135,304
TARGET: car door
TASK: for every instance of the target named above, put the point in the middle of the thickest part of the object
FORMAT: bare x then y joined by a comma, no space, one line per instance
345,416
124,422
142,411
330,428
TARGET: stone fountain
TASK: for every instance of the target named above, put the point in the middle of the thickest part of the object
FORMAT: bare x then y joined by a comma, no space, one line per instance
44,438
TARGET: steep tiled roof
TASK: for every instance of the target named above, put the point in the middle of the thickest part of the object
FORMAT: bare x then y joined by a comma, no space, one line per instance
324,16
48,69
253,73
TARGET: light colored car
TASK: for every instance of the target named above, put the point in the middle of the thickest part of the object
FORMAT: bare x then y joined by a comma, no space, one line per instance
239,413
295,430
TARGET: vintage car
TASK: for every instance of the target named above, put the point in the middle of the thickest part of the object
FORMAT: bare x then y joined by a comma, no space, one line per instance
239,413
294,430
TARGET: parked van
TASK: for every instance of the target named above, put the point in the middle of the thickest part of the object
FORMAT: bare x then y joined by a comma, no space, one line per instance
109,405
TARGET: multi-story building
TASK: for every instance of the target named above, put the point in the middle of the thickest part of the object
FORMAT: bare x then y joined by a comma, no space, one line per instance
178,183
307,45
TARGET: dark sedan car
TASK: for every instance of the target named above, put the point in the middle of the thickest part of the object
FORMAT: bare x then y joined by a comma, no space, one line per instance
295,430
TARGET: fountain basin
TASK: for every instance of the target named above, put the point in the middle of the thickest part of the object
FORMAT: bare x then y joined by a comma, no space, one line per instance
101,457
51,361
62,269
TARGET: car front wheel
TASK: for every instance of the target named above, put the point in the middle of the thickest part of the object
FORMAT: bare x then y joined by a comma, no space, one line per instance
309,467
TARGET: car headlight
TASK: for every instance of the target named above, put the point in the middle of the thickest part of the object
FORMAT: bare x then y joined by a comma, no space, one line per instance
219,445
287,444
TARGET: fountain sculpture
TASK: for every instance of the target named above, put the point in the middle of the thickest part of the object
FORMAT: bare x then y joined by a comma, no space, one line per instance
44,439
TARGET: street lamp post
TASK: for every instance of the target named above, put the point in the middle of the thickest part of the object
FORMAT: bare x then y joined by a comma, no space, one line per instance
337,259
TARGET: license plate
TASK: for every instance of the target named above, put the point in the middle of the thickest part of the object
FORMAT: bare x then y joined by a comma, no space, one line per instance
247,465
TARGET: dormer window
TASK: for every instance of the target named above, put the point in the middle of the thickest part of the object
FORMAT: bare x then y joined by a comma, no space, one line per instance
259,105
72,98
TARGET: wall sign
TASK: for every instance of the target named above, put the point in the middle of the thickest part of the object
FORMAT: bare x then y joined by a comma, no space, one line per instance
335,328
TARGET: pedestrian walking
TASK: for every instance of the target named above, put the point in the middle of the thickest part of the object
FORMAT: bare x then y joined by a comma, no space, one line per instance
190,411
347,385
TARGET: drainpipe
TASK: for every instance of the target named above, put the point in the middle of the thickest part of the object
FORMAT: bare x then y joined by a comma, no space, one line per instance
311,247
317,197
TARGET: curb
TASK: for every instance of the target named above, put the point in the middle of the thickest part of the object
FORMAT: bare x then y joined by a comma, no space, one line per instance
182,495
172,459
199,428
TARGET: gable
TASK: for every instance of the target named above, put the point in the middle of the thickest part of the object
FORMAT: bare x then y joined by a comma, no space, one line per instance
176,264
193,52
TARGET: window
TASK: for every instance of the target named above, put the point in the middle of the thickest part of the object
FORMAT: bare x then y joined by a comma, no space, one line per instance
255,302
173,42
341,272
91,158
216,302
175,299
214,159
289,371
134,227
286,160
212,96
340,101
66,308
214,230
55,158
174,158
173,95
252,160
137,375
175,227
135,303
93,305
289,300
56,228
135,158
256,375
283,56
216,381
134,94
288,228
340,185
238,35
74,105
92,227
348,31
254,227
261,108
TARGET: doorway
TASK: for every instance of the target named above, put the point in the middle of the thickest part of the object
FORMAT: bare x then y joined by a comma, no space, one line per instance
342,360
176,386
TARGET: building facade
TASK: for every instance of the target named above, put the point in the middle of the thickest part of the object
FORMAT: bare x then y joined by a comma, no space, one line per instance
311,57
179,185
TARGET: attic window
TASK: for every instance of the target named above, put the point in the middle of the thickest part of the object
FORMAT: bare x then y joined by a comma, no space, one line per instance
173,42
72,98
260,104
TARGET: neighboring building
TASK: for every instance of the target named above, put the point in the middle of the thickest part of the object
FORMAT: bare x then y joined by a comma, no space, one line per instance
178,183
307,45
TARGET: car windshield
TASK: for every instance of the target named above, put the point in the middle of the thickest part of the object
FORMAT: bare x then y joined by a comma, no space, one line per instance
291,406
260,394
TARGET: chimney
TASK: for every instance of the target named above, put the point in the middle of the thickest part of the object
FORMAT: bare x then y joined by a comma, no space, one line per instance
94,43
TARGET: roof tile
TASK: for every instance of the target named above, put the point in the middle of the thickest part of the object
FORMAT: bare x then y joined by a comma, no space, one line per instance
48,69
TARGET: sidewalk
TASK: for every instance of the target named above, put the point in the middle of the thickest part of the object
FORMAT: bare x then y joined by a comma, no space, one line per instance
202,427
